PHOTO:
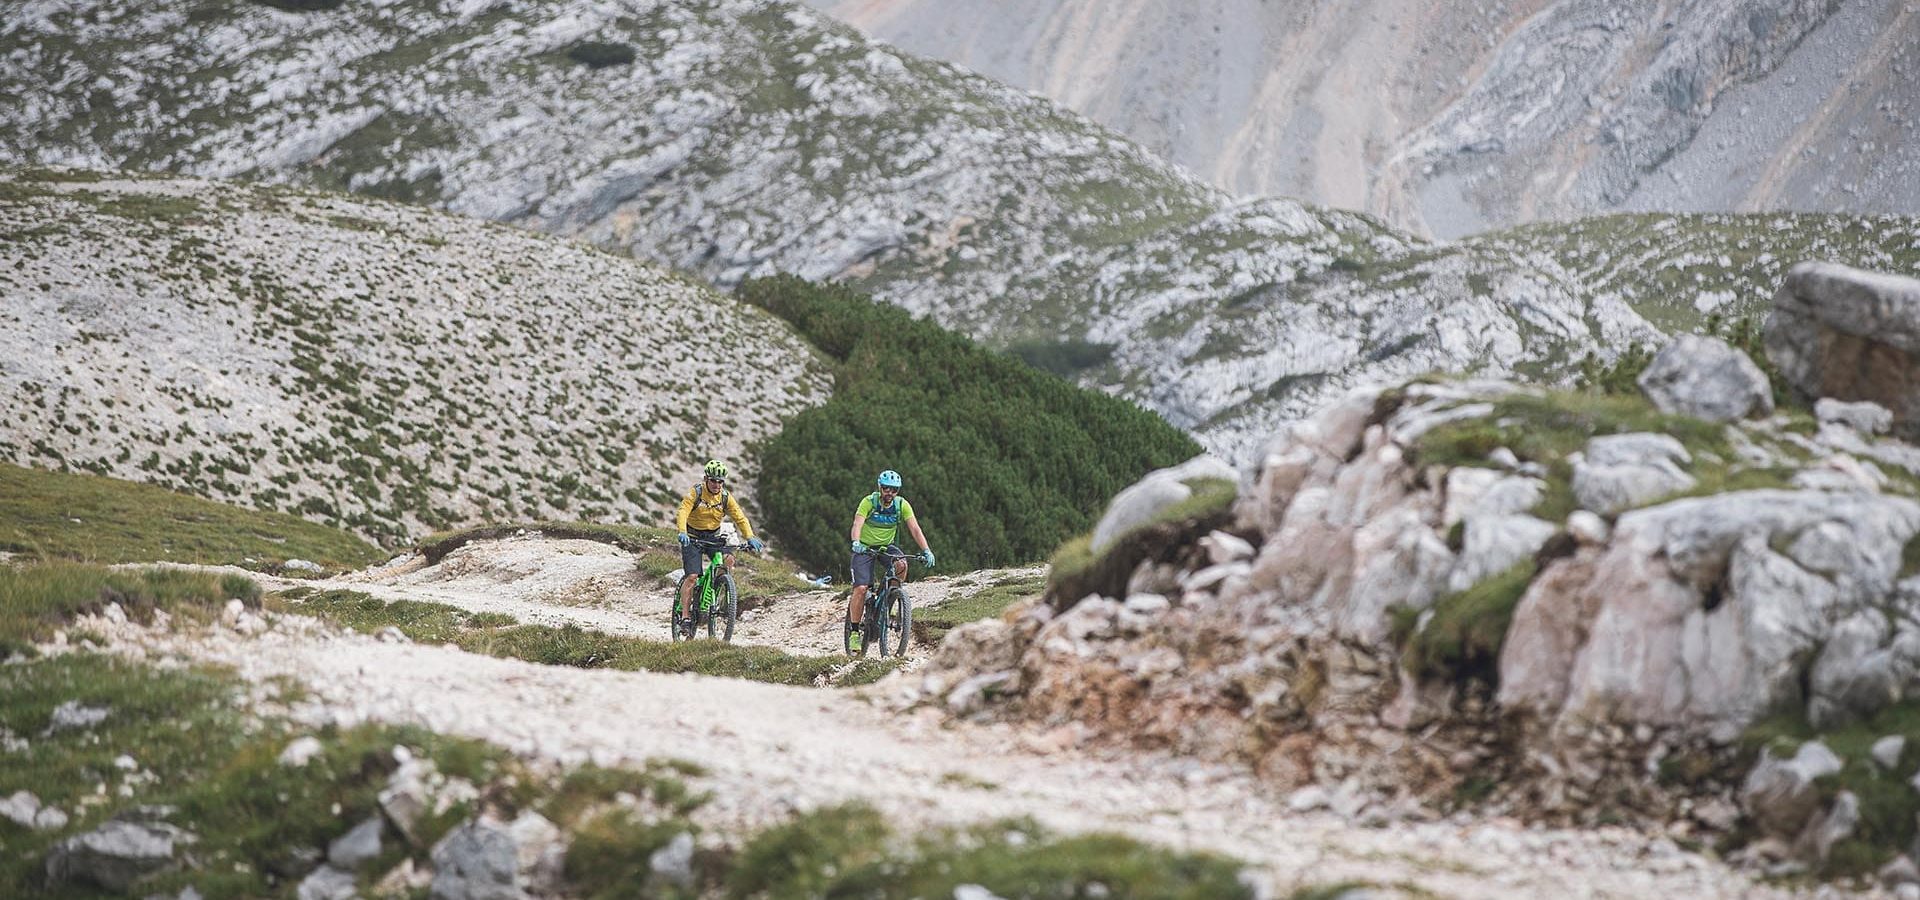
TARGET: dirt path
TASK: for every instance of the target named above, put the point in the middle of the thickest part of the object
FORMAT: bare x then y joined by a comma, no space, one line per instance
545,581
772,750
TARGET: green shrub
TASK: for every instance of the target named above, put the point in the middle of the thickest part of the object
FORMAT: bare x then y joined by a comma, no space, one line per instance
1621,376
1002,462
600,54
1063,358
302,5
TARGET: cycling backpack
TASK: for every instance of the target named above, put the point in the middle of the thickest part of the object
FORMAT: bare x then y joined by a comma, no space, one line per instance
889,516
700,498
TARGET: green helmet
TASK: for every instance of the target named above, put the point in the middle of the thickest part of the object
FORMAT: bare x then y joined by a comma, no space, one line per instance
716,469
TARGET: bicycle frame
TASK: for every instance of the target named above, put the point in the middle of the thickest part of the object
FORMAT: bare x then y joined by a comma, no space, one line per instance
713,563
879,585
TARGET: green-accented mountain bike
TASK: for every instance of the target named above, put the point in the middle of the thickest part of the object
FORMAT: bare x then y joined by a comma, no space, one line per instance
717,602
887,610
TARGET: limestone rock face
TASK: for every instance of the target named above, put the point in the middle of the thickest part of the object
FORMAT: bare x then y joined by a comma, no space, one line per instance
1622,471
1708,379
1848,334
1426,602
1698,613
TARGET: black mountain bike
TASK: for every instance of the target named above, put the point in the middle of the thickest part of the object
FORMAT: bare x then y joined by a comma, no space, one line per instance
715,600
887,610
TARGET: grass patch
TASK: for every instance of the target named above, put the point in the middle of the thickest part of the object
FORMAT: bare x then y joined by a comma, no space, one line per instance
197,749
849,851
574,646
1888,804
963,780
57,515
591,786
36,600
1463,638
1546,429
931,625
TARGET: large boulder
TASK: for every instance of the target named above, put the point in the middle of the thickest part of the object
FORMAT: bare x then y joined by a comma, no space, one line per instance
1706,378
1844,333
490,860
1140,503
116,854
1622,471
1702,614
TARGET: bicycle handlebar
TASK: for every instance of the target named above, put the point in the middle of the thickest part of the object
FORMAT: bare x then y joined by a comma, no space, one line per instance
891,553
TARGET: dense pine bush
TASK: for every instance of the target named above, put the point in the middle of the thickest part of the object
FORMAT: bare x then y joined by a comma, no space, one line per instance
600,54
1002,461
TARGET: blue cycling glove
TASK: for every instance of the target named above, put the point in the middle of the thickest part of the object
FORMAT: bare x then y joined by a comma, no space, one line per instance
927,555
859,547
684,539
755,545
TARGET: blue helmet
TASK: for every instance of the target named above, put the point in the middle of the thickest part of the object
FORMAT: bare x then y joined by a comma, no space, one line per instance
889,478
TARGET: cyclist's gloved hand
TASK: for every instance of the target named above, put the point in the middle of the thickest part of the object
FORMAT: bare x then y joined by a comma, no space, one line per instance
859,547
755,545
927,556
684,539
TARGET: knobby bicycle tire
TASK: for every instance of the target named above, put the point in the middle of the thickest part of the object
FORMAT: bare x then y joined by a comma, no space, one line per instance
896,608
877,617
675,614
730,609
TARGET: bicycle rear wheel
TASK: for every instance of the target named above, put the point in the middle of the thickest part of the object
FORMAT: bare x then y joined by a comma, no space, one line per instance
877,620
898,611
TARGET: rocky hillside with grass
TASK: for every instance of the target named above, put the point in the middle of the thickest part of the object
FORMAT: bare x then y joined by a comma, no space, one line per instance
366,364
1440,116
729,139
1691,603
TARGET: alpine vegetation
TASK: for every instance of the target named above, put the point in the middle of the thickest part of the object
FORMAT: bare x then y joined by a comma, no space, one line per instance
365,364
750,137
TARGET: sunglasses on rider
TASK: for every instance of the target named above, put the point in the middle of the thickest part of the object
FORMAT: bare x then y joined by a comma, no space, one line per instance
716,480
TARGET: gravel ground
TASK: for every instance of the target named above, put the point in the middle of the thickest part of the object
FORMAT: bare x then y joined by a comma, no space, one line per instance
772,750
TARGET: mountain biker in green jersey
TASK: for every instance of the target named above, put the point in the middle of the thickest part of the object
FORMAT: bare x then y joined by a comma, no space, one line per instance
876,523
698,522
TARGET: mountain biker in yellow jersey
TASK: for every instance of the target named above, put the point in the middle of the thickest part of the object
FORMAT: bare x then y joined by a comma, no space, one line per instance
698,522
876,523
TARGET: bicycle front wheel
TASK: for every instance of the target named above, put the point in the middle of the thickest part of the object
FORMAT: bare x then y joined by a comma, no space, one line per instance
899,613
726,607
680,622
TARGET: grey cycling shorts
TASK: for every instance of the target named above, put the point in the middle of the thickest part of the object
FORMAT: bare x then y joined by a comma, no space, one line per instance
863,564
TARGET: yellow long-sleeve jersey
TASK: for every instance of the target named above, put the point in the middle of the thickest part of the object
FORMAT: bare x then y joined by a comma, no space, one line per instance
702,509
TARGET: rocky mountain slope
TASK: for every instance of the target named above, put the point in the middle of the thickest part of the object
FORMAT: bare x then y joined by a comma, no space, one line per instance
1451,117
365,363
747,137
1682,605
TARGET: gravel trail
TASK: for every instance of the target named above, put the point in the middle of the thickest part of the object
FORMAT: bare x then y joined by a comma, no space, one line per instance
772,750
